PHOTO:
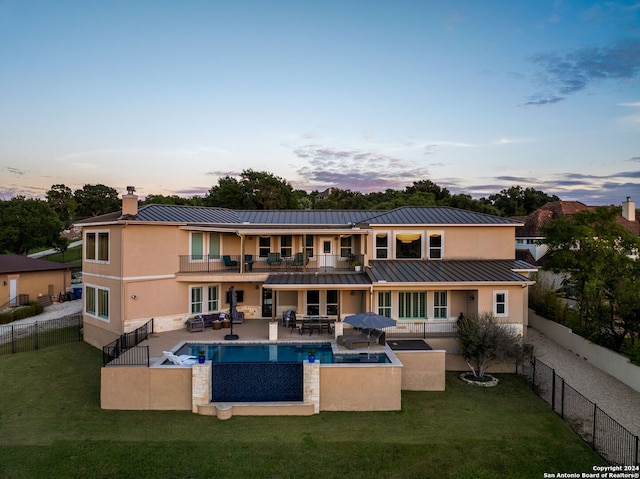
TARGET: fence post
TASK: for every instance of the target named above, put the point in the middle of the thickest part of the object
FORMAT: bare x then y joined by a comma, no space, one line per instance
593,437
35,335
553,390
533,375
637,448
562,400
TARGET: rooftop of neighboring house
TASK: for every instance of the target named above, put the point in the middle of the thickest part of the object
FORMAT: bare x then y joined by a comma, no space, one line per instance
15,263
556,209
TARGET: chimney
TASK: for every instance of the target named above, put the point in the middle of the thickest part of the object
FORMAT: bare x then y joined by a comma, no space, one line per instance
629,209
130,202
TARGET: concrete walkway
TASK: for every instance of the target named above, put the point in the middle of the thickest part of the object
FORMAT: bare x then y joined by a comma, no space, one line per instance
615,398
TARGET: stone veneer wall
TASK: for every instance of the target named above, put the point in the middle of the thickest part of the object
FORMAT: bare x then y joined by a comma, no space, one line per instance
311,388
201,376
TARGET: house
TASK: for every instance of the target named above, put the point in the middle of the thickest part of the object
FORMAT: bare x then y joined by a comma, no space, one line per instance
422,266
530,240
25,279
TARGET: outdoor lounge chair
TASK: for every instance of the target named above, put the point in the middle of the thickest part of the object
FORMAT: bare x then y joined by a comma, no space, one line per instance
274,259
362,335
182,360
370,339
299,260
228,262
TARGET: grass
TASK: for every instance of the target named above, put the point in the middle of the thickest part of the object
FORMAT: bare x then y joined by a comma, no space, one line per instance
72,256
51,425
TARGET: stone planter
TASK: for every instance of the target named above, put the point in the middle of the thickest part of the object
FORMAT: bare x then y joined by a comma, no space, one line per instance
489,382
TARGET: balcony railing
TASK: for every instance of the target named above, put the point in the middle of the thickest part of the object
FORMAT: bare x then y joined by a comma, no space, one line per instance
274,263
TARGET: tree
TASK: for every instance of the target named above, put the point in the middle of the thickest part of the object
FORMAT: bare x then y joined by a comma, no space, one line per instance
517,201
597,254
61,200
256,190
228,194
484,341
94,200
27,224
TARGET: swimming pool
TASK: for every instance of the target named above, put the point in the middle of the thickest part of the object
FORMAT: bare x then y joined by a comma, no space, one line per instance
280,352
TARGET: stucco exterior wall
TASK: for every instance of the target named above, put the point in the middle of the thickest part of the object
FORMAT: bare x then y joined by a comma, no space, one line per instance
422,370
360,388
35,283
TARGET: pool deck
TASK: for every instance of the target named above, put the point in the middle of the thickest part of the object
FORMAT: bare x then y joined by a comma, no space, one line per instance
249,330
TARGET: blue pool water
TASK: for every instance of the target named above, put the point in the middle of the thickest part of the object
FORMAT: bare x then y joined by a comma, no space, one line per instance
290,352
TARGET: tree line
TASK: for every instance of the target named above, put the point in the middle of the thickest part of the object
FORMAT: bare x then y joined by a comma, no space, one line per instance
29,223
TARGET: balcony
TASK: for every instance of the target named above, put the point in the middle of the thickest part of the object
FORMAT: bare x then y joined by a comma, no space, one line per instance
272,264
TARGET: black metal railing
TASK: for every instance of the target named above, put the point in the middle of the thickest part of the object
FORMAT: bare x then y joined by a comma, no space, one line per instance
125,351
19,300
422,329
616,444
253,264
17,338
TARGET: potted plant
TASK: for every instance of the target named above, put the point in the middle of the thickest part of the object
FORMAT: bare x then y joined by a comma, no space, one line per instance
311,355
202,356
357,265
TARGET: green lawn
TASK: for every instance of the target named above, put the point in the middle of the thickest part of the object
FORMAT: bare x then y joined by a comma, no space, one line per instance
72,256
51,425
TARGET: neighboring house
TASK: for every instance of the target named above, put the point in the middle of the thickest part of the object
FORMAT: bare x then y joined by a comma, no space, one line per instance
25,279
530,240
422,266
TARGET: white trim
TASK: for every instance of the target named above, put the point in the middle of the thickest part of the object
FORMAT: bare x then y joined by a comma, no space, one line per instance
96,315
130,278
506,303
96,246
407,232
435,232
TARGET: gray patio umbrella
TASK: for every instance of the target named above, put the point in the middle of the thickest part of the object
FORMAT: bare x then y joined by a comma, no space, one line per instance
369,320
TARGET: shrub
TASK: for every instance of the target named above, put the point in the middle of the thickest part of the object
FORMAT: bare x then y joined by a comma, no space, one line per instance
484,341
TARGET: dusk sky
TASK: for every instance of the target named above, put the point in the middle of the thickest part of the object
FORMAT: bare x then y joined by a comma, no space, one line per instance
169,96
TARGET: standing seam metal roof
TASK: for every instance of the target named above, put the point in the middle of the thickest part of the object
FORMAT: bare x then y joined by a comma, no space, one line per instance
436,215
448,271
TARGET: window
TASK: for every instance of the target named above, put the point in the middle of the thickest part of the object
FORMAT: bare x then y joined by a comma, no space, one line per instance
90,246
308,247
382,245
213,299
345,246
196,300
440,305
408,245
97,246
332,302
500,304
214,245
313,303
97,302
412,305
435,245
384,303
197,246
285,246
264,246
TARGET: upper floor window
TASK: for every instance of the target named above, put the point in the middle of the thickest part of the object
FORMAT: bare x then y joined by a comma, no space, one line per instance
97,246
435,245
197,246
382,245
408,245
214,245
308,246
264,246
345,246
500,304
286,243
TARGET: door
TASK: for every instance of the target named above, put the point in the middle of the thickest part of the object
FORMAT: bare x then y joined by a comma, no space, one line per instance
13,292
267,303
327,257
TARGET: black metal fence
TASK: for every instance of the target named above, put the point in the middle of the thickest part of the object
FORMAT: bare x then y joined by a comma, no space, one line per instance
605,435
422,329
18,338
125,351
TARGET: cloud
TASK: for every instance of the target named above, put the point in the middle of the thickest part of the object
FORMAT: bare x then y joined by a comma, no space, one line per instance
355,169
635,158
12,170
560,75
